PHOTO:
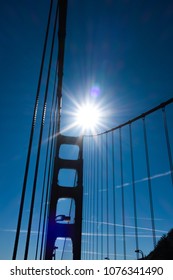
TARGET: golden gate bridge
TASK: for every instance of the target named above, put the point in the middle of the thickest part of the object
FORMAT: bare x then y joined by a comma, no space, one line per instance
92,196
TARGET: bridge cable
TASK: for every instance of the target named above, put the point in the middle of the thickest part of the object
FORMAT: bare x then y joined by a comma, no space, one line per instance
31,138
122,194
97,201
40,142
107,197
91,203
102,190
86,191
134,190
50,142
113,191
168,143
162,105
47,193
43,190
93,200
49,178
95,204
149,183
86,201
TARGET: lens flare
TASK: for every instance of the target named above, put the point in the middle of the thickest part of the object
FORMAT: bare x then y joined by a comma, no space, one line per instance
95,91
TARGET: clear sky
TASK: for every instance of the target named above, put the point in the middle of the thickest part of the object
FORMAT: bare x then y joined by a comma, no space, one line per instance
122,47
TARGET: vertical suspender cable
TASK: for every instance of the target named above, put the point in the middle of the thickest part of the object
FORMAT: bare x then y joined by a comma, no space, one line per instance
89,198
95,204
149,184
95,199
40,141
86,201
107,197
50,139
102,179
49,173
92,201
46,196
113,191
97,194
48,182
134,189
168,143
92,204
49,179
86,190
122,194
100,195
31,138
63,249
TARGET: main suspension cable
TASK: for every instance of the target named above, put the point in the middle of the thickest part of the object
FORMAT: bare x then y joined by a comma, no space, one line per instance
31,138
162,105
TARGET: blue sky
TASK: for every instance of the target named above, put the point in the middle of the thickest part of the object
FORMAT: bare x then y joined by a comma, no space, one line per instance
122,47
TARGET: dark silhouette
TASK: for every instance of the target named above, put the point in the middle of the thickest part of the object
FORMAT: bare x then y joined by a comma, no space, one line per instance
163,249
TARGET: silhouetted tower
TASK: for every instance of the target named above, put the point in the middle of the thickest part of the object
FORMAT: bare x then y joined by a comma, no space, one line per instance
55,228
66,230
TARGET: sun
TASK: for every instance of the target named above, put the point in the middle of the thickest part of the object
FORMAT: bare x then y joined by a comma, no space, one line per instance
88,116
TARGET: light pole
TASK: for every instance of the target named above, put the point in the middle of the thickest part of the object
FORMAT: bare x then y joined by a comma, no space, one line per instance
140,251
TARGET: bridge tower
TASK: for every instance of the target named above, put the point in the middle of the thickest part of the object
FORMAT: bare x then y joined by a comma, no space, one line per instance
71,229
66,230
